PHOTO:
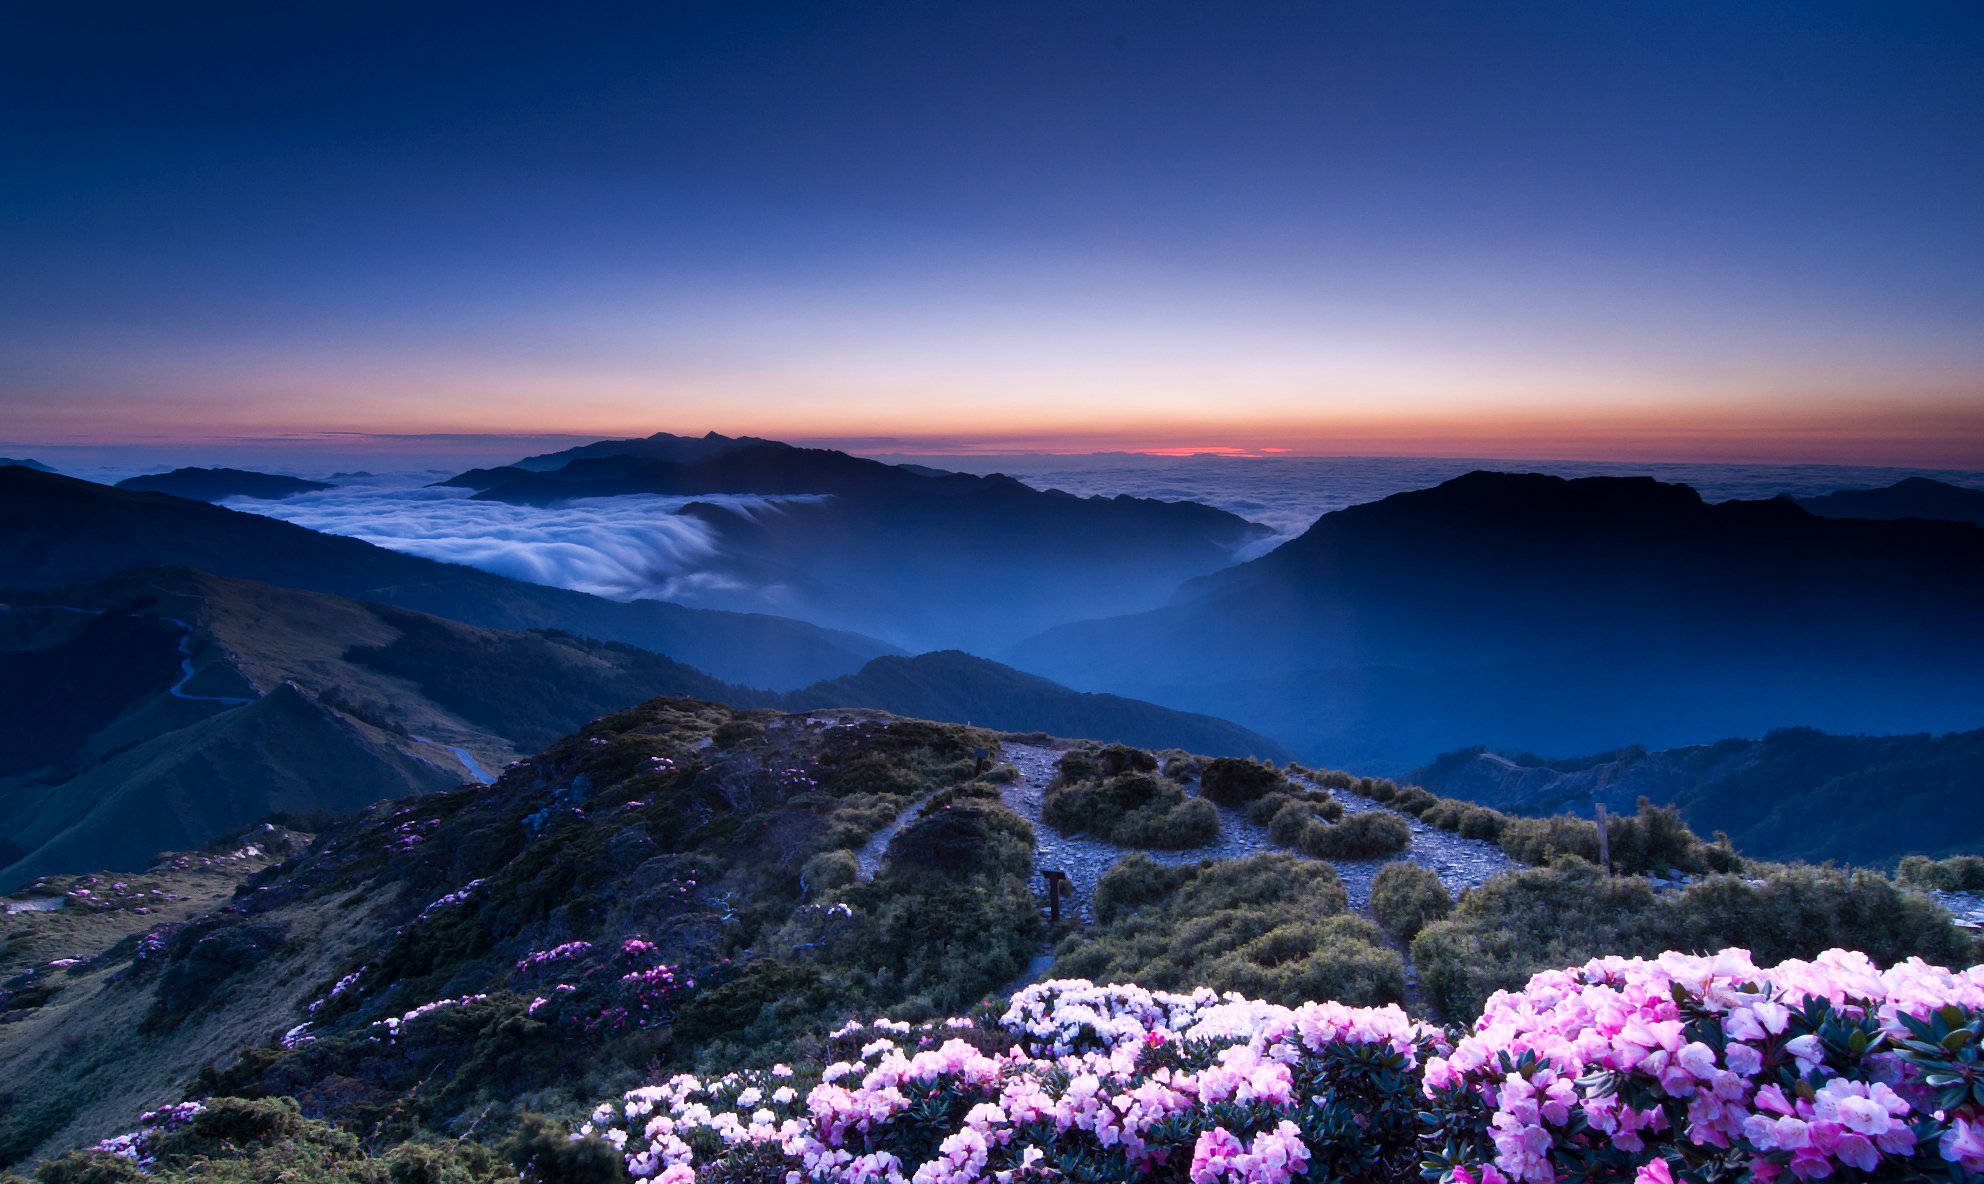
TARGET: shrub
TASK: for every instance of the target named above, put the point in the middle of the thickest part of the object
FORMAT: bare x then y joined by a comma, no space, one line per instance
1959,873
828,871
1406,898
1231,781
1134,810
1133,882
1373,834
1269,923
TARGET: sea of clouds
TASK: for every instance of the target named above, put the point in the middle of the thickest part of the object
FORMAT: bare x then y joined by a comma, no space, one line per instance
643,546
622,547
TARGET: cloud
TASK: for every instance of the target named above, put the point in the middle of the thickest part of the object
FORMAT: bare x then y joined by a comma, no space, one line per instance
622,547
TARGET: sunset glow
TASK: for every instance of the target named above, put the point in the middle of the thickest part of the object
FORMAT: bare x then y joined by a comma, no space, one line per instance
1524,231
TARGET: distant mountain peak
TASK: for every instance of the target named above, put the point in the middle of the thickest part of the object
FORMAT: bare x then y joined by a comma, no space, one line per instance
212,485
1910,497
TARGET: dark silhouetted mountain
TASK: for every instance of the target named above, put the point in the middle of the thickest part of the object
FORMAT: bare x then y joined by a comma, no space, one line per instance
211,485
924,558
1537,613
56,532
960,688
661,447
1912,497
1798,793
22,462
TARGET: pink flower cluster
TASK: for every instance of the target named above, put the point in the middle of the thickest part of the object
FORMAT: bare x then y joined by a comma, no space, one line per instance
1713,1063
1120,1075
131,1144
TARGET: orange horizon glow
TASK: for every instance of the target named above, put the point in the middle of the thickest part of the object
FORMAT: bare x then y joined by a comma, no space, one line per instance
1938,437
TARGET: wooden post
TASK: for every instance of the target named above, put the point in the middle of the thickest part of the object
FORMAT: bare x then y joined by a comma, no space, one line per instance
983,757
1055,878
1604,840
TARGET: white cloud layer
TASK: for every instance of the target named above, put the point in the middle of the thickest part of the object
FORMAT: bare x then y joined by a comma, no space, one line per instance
622,547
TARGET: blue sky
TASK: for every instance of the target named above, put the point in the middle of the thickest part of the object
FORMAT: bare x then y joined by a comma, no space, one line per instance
1749,231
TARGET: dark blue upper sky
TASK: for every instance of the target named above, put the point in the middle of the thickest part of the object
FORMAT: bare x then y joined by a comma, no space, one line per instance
1606,226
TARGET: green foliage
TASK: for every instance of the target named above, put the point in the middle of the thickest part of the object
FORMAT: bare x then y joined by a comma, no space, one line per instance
1133,882
1131,809
543,1152
1508,929
1958,873
1310,803
1272,925
828,871
1230,781
1405,898
1373,834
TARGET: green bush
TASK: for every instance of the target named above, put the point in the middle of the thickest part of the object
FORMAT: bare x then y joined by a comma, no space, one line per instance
1133,882
1273,925
828,871
1513,926
1231,781
1134,810
1406,897
1373,834
1959,873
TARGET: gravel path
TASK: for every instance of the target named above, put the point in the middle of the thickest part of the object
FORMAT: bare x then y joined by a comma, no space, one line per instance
1460,863
868,859
1966,907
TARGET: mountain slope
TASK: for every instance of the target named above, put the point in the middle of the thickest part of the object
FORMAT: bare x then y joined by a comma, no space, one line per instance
926,558
116,697
211,485
956,686
56,532
1912,497
284,752
1795,794
1538,613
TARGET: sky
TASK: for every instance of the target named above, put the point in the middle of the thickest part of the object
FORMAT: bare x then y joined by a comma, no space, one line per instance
1692,232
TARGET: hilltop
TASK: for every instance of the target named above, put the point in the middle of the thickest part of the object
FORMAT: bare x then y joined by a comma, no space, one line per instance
212,485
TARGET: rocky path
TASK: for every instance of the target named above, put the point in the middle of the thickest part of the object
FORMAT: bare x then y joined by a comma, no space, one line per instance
1460,863
868,858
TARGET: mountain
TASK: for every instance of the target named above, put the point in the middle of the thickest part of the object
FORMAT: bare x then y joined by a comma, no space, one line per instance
924,558
955,686
117,697
211,485
1538,613
161,707
57,532
1798,793
1912,497
12,462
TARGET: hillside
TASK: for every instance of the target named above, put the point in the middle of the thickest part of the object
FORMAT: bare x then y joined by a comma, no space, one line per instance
1795,794
1912,497
119,696
925,558
686,886
956,686
58,532
1543,614
211,485
161,707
